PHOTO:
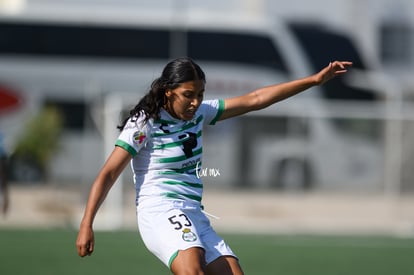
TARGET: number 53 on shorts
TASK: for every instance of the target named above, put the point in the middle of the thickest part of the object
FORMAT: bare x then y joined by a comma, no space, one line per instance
179,221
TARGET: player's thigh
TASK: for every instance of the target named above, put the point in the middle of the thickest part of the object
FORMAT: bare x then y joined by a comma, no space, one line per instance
168,232
224,265
189,261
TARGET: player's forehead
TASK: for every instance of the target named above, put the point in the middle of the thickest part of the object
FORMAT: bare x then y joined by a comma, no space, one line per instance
196,86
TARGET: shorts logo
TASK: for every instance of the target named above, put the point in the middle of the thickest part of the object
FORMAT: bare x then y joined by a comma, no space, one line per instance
189,236
139,137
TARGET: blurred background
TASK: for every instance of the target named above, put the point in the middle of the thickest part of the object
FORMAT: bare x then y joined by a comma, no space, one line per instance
337,158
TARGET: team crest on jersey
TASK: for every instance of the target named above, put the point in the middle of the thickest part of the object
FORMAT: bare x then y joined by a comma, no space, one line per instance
139,137
188,235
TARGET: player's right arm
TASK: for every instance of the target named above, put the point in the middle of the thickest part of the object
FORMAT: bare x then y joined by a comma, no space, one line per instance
266,96
111,170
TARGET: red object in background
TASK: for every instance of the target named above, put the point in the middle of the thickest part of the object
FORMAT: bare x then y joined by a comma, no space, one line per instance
8,99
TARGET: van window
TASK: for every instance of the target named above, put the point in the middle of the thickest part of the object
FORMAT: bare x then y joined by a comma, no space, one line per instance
245,49
396,41
75,114
68,40
322,46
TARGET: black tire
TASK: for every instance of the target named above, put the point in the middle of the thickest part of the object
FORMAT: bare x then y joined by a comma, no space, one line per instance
303,181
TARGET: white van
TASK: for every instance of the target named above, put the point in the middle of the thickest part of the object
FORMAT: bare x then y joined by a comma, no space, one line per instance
75,60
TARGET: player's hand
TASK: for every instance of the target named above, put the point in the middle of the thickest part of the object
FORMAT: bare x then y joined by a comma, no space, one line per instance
85,241
334,69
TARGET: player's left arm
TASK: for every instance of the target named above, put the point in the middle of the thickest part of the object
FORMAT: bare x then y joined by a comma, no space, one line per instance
266,96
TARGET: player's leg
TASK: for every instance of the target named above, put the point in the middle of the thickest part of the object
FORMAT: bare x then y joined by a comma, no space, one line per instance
224,265
172,236
189,262
220,259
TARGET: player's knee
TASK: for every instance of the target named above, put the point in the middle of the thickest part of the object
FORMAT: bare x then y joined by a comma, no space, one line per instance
189,262
189,270
225,265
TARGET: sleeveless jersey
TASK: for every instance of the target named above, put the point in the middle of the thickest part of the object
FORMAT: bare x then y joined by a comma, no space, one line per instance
167,153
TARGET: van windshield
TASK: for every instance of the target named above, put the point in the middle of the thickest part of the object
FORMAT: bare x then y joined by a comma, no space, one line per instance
322,46
242,48
51,39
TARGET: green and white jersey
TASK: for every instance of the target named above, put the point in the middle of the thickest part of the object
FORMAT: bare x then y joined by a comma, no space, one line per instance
167,153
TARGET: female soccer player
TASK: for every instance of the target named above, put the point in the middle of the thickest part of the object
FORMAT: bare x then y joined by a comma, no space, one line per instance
161,139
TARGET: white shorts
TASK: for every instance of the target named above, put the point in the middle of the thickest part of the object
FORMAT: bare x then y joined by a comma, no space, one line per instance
172,226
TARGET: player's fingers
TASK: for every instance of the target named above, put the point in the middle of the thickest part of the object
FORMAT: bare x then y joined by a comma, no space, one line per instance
340,67
336,65
347,63
81,251
90,248
84,249
342,64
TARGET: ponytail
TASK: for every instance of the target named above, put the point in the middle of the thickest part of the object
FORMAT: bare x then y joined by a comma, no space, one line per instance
150,105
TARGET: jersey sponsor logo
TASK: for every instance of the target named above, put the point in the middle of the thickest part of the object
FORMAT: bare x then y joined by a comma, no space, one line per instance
191,163
139,137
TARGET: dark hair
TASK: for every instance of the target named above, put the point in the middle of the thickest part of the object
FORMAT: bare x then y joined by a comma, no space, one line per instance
177,71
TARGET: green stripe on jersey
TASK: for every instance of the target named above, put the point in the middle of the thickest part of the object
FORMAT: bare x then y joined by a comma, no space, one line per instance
183,183
127,147
178,172
181,171
219,112
179,158
185,127
181,196
160,121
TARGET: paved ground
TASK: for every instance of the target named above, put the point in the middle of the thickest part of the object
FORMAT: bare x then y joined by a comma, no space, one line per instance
54,206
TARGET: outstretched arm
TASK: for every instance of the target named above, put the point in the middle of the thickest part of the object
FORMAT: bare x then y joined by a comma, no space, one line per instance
111,170
266,96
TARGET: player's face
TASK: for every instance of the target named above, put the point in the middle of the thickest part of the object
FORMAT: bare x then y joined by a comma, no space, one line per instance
183,101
